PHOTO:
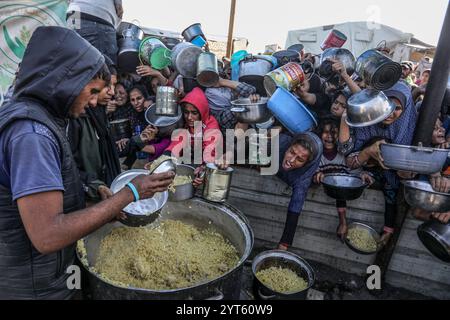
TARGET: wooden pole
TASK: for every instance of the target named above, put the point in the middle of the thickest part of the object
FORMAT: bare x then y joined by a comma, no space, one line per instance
230,29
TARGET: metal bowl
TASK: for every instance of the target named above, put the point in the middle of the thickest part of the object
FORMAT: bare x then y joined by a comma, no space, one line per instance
246,111
165,166
142,212
165,124
278,258
343,186
343,55
414,159
435,236
420,194
367,108
185,191
371,230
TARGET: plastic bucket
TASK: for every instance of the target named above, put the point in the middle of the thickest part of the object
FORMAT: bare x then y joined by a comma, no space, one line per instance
335,39
290,111
161,58
288,77
199,41
147,46
235,60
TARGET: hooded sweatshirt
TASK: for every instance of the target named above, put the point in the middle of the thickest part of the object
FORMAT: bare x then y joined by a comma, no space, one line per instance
210,128
35,157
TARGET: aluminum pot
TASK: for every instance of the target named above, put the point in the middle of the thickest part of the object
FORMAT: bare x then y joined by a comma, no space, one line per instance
121,129
227,220
435,236
185,191
166,125
166,101
247,111
367,108
420,194
343,55
191,32
184,59
128,29
284,259
257,82
207,70
128,56
254,66
142,212
289,77
217,183
412,158
343,186
285,56
378,70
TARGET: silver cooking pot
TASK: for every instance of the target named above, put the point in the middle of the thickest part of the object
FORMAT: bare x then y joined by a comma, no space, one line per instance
420,194
435,236
342,55
128,29
254,66
227,220
191,32
246,111
207,69
184,59
166,101
185,191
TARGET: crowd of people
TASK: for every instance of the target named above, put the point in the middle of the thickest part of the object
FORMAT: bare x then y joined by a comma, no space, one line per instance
58,152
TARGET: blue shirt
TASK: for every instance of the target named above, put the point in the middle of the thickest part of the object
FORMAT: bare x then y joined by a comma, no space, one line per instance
299,179
30,159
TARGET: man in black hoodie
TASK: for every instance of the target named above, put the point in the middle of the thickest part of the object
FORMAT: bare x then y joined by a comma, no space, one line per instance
41,198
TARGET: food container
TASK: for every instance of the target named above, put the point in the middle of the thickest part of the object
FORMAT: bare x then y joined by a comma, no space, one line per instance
217,183
254,66
207,70
166,125
185,191
342,55
420,194
335,39
184,59
166,101
246,111
121,129
142,212
372,232
147,47
435,236
192,32
343,186
413,158
289,77
285,56
284,259
368,107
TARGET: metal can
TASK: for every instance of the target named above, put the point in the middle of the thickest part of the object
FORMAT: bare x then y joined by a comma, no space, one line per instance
217,183
289,77
335,39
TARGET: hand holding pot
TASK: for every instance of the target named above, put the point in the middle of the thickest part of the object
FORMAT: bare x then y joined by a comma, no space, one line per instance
440,184
147,71
374,152
367,178
318,177
111,107
339,68
442,217
148,185
199,176
149,133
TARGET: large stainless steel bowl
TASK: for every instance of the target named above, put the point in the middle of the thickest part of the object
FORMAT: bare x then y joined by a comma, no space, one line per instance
165,124
415,159
435,236
343,186
246,111
227,220
142,212
420,194
372,232
367,108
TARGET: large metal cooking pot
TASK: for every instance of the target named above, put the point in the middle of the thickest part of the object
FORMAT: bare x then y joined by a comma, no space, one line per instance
128,43
142,212
227,220
378,70
284,259
166,101
121,129
217,183
165,124
207,69
247,111
420,194
184,59
343,186
367,108
435,236
342,55
255,66
191,32
412,158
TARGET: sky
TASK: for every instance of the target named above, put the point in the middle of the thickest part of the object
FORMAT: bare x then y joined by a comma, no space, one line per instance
265,22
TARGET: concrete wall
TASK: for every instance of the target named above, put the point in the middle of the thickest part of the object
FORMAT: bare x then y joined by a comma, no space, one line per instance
264,201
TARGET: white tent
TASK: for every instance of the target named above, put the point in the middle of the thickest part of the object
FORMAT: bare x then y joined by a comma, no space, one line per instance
361,36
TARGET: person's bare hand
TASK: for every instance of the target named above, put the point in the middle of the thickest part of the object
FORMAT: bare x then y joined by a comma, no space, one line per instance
318,177
148,185
199,173
367,178
406,174
104,192
440,184
254,98
121,144
111,107
374,152
339,68
303,88
445,145
149,133
442,217
147,71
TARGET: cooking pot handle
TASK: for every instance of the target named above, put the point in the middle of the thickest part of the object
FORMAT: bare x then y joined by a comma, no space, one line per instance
264,297
239,109
219,296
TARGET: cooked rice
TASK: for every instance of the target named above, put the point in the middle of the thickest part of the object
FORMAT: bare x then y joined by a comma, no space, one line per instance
362,239
283,280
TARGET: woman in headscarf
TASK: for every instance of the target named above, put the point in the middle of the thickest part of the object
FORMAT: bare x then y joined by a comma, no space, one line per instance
398,128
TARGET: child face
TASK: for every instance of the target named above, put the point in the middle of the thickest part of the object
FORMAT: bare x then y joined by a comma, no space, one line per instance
339,105
329,137
438,133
